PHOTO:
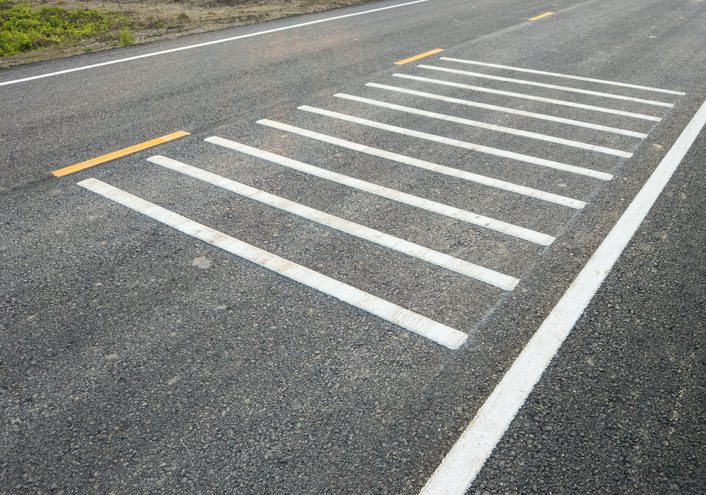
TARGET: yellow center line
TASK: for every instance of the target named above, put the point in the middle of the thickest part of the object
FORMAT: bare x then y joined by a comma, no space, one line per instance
417,57
118,154
540,16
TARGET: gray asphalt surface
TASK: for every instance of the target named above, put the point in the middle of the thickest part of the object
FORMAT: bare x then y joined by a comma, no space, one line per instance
134,358
621,408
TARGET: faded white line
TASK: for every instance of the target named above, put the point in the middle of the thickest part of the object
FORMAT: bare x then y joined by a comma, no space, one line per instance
432,167
513,111
549,86
421,325
461,465
565,76
207,43
392,194
391,242
490,127
462,144
525,96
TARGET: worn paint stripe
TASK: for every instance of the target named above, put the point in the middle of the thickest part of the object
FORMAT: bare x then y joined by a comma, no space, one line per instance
417,57
118,154
540,16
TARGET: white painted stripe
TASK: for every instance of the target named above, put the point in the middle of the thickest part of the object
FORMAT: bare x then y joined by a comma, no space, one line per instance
525,96
392,194
461,465
549,86
462,144
391,242
565,76
435,331
207,43
490,127
514,111
433,167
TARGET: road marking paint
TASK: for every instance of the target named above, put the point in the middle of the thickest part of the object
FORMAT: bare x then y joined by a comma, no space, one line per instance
565,76
462,144
392,194
462,267
550,86
540,16
208,43
118,154
421,55
509,110
461,465
526,96
421,325
433,167
490,127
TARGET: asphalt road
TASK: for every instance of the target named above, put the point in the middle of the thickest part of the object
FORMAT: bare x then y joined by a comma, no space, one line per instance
136,358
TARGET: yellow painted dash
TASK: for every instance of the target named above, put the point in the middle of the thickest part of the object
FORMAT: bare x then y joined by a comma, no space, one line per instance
118,154
417,57
540,16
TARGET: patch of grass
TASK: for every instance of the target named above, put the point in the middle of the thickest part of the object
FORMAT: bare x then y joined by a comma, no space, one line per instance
24,28
125,37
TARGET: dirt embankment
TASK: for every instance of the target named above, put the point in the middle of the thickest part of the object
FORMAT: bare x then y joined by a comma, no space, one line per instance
129,21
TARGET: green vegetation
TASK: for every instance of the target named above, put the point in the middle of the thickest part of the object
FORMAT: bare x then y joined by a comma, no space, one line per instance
125,37
24,28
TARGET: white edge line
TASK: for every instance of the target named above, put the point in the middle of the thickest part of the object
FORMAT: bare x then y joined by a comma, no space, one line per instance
466,458
492,127
391,242
392,194
421,325
515,111
207,43
432,167
565,76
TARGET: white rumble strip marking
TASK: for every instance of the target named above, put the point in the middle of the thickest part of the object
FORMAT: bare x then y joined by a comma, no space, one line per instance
565,76
457,265
551,86
520,157
491,127
393,194
514,111
421,325
525,96
430,166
